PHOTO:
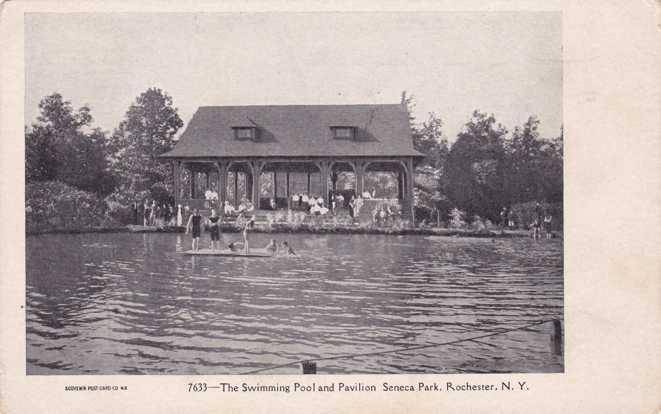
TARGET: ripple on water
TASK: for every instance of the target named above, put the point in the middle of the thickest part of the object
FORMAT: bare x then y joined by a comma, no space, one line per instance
127,303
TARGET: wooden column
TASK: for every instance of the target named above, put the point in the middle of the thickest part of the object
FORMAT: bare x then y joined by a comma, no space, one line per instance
275,187
308,183
400,184
324,182
192,181
360,177
323,172
236,188
256,171
222,190
249,186
410,182
287,192
177,182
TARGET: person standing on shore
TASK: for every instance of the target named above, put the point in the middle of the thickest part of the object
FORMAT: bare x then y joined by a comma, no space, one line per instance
503,218
194,226
352,204
152,213
134,210
180,219
547,225
145,213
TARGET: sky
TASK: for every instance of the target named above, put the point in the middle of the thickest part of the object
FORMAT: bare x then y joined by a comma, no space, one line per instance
505,63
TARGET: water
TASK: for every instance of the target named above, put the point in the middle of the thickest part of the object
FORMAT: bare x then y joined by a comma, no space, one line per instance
132,304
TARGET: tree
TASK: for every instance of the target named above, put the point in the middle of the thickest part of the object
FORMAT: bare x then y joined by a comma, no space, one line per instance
534,165
408,101
429,140
474,179
59,148
147,131
524,170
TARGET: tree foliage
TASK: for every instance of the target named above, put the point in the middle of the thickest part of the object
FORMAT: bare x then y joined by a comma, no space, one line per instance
60,146
147,131
475,172
535,170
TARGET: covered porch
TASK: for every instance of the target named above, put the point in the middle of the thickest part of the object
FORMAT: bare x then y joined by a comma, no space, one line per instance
270,183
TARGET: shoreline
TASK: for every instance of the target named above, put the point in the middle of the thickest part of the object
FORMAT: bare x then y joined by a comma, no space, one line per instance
304,228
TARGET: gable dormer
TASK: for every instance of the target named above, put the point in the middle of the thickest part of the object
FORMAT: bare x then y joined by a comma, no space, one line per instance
246,133
343,132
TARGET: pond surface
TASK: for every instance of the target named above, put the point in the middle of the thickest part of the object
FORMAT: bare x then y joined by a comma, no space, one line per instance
133,304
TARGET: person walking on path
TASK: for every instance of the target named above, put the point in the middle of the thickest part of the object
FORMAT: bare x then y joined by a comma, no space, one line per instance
194,226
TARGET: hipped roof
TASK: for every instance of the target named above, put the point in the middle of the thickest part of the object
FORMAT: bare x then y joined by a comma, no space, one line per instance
297,131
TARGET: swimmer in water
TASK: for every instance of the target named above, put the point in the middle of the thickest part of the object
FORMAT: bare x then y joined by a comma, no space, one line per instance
287,248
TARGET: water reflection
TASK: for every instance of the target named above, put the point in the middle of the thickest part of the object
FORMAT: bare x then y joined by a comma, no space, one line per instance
127,303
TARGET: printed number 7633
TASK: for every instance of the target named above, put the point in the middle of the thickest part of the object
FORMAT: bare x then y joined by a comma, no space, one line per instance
197,387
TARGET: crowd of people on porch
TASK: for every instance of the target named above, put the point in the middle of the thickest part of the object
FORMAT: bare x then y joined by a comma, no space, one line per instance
152,213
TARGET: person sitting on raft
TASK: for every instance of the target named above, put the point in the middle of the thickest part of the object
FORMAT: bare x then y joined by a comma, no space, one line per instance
194,225
287,248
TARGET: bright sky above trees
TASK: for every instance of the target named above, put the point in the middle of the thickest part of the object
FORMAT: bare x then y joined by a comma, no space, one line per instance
505,63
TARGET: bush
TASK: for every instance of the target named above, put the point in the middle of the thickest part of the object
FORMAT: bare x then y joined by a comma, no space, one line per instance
52,205
119,204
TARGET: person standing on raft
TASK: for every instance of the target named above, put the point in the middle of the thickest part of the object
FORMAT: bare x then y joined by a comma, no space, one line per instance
194,224
214,229
249,225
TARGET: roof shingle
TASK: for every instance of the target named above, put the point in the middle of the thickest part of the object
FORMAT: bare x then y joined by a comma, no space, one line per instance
297,131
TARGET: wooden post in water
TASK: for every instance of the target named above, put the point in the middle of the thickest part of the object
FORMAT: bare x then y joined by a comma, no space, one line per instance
309,367
556,337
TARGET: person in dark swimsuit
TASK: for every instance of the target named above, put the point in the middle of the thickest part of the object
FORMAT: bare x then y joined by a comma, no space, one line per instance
287,249
194,225
547,226
214,229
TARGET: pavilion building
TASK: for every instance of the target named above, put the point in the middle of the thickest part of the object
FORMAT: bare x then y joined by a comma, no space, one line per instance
303,147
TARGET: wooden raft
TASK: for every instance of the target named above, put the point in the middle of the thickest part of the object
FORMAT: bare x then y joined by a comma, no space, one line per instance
229,253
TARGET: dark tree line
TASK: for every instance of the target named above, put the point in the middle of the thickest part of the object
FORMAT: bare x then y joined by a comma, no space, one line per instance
485,168
62,146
